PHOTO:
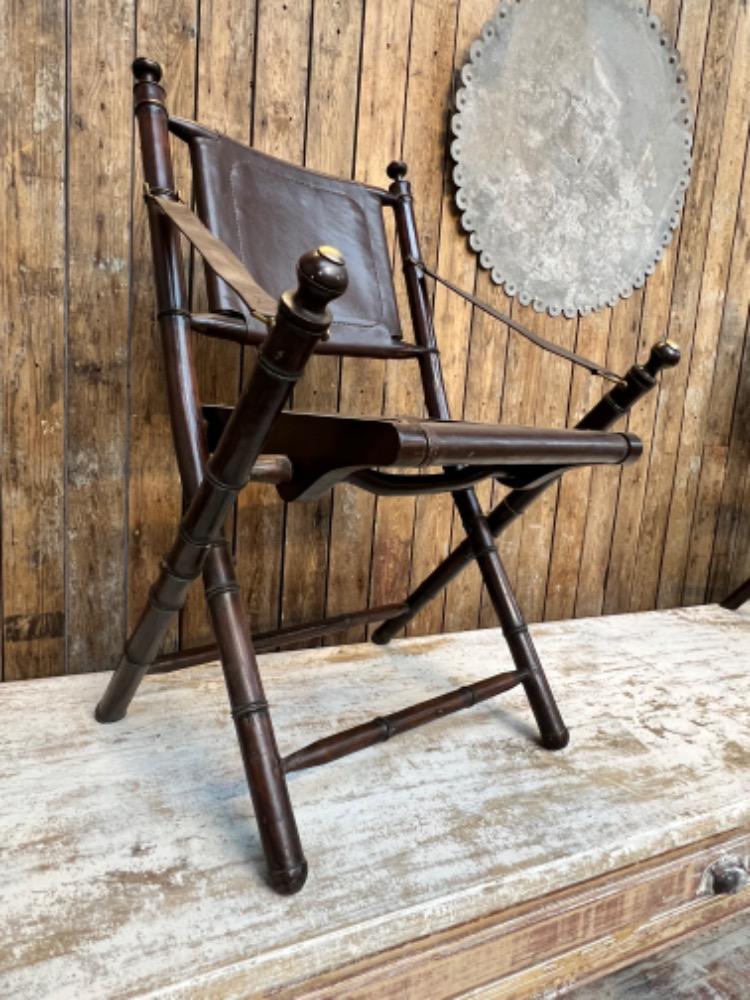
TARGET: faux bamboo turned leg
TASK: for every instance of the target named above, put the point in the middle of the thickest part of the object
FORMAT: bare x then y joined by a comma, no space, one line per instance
287,868
639,381
302,319
552,730
553,733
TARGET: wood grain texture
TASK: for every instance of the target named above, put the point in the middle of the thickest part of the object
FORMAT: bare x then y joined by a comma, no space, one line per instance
98,357
712,963
400,540
456,843
542,951
90,489
280,110
329,146
226,48
693,237
382,95
434,516
33,223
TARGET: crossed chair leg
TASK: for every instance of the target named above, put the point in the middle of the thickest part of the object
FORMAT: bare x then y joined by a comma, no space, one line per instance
301,320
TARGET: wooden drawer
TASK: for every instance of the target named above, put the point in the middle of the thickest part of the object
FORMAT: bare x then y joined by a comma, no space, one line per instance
545,946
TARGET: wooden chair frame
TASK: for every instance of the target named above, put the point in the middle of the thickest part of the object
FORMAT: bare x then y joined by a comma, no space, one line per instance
212,476
738,597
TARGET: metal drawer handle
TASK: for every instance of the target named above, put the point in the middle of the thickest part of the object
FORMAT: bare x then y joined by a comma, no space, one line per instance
725,877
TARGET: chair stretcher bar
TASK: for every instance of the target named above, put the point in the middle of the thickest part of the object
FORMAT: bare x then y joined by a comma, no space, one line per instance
264,642
385,726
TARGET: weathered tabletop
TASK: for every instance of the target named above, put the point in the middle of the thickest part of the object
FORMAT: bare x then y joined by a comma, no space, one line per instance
130,862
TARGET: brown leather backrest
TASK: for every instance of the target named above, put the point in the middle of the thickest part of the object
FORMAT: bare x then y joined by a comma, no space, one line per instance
271,212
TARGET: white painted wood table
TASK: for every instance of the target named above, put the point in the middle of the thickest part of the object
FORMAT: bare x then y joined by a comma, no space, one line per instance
460,857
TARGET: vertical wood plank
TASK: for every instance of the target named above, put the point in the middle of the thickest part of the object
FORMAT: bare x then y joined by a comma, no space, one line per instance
654,320
226,49
722,24
32,223
485,377
101,43
428,89
731,552
711,304
331,121
279,115
605,483
551,396
572,512
385,54
435,516
721,434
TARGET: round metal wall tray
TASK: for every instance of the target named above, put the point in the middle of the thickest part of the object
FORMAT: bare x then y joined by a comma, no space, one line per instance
573,138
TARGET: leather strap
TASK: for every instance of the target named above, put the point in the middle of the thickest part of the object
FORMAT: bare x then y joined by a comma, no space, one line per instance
546,345
259,304
262,306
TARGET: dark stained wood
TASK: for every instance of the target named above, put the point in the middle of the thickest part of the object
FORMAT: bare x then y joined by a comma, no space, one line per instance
284,637
220,449
155,495
384,727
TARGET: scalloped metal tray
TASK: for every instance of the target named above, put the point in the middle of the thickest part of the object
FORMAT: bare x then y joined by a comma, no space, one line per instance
573,150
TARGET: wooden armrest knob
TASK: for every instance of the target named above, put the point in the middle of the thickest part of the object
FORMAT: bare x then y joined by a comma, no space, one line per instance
665,354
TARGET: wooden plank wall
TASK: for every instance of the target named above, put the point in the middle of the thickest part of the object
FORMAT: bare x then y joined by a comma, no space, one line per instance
89,488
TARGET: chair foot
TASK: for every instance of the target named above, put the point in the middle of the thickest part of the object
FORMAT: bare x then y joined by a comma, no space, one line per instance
123,684
104,716
287,881
556,740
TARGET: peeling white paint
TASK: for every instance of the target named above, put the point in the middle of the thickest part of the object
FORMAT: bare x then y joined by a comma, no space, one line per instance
48,98
131,863
112,265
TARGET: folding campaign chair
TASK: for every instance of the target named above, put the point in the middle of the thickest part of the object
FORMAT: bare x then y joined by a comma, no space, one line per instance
256,214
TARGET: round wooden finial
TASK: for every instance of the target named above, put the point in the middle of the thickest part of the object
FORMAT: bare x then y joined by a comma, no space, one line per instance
396,170
146,70
322,272
665,354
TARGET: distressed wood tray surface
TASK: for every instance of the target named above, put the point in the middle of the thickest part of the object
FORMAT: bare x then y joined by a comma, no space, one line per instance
458,857
713,964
